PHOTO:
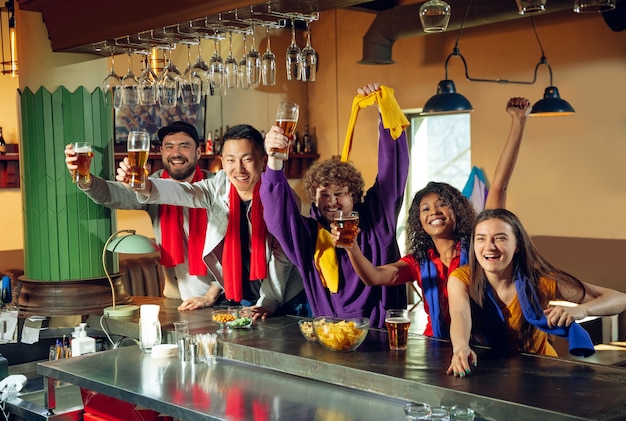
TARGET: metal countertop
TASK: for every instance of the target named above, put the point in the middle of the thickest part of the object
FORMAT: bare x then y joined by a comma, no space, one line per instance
515,387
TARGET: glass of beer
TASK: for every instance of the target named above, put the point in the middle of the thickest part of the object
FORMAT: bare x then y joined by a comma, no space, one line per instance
84,155
286,119
397,322
348,224
138,151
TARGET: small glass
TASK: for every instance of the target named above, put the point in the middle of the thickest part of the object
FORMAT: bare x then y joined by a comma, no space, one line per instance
398,323
181,328
530,6
348,225
459,413
83,161
415,411
440,413
435,15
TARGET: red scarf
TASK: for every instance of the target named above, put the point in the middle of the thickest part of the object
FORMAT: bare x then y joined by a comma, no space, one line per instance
231,256
172,233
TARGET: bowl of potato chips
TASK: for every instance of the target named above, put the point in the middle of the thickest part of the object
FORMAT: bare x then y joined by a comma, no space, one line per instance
341,335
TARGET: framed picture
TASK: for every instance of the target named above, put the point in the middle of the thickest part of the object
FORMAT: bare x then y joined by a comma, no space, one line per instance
152,117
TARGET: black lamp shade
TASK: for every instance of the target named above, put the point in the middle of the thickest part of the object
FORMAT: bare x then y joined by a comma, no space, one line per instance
447,101
551,105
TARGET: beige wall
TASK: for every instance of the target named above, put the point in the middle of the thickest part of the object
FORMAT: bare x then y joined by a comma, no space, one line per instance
562,160
569,180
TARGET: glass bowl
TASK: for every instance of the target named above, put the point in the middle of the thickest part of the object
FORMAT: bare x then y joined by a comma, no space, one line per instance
339,334
306,328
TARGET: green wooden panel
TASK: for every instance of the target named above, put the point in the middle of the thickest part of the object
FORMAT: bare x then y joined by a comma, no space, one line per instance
64,230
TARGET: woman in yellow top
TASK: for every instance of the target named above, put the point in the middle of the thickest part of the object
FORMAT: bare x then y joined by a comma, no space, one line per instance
501,299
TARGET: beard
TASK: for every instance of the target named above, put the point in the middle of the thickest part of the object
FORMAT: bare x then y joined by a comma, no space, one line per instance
180,173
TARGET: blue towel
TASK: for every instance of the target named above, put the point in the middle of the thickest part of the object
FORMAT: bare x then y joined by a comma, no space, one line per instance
580,343
432,295
476,189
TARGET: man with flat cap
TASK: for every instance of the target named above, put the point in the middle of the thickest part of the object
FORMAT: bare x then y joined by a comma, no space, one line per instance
180,232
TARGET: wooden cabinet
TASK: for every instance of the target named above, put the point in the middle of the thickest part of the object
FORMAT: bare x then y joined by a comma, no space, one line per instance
10,168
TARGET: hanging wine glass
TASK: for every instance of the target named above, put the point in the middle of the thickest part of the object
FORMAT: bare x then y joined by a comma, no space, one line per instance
231,65
216,68
293,55
148,88
268,64
130,85
111,87
253,63
242,74
190,83
169,83
201,68
308,59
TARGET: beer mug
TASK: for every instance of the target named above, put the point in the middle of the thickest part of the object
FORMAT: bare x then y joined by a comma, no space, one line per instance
286,119
348,225
138,151
84,155
398,323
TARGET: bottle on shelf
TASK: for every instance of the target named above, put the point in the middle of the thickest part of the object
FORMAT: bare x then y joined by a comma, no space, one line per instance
297,144
3,144
217,143
307,141
208,147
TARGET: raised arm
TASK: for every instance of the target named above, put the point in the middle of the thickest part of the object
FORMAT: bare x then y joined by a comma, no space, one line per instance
519,108
395,273
460,328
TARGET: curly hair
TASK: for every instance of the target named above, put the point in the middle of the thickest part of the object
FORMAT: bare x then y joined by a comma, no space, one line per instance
418,242
333,171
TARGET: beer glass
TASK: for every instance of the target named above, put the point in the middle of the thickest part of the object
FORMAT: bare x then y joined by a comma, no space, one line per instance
286,119
348,224
397,322
138,151
84,155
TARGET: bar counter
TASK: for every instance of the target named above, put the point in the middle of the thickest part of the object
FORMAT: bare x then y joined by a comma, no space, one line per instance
274,364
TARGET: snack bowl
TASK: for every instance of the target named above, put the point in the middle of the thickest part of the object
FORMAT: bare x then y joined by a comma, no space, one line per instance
241,323
306,328
341,334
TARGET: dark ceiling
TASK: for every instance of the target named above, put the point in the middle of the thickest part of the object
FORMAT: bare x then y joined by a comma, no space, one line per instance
75,25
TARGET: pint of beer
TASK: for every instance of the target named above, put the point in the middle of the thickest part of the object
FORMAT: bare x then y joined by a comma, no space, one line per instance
138,151
84,155
286,119
348,224
397,322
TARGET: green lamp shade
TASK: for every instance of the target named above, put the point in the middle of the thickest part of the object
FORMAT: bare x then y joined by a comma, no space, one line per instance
132,244
129,244
551,105
447,101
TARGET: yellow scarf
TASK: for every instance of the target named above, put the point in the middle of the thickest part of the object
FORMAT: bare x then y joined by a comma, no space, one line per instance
392,116
326,259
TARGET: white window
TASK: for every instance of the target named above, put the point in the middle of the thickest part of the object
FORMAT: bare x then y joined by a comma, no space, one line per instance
440,150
